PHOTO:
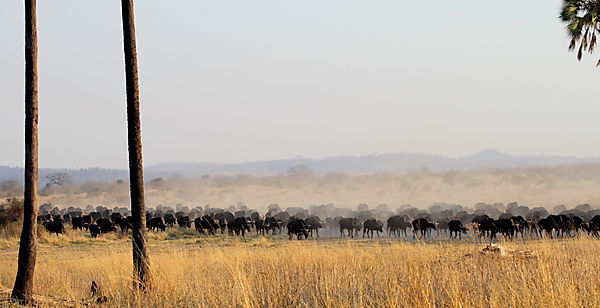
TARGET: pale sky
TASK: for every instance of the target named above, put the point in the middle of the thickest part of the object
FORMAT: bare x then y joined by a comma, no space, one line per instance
238,80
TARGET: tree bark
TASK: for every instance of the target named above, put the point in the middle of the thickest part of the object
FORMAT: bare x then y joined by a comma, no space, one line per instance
23,288
141,268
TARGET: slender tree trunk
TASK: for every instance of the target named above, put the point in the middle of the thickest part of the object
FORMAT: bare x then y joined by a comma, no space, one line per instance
23,288
141,268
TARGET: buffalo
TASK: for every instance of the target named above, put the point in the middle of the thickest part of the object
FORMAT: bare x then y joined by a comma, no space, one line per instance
77,223
350,224
106,225
372,225
314,224
184,222
156,224
169,220
55,226
397,224
260,226
207,223
298,227
239,226
273,224
456,228
421,225
94,230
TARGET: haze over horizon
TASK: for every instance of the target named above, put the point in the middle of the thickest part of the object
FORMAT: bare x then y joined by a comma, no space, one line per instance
393,162
231,82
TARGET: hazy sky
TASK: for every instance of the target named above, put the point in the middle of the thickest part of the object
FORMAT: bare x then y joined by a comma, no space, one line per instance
238,80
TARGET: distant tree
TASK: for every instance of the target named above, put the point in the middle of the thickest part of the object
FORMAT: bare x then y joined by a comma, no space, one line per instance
583,24
383,207
273,206
59,178
300,170
23,288
11,188
559,209
362,207
583,207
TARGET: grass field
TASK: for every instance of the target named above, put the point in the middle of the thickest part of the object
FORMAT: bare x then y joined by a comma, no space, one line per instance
192,271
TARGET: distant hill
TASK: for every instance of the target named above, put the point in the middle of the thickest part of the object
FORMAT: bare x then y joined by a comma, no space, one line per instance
396,162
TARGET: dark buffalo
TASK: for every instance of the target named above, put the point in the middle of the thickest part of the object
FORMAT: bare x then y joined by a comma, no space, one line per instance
370,226
205,223
179,215
397,224
260,226
298,227
350,224
520,225
115,217
456,228
577,223
184,222
559,225
314,224
239,226
156,224
94,230
67,217
273,224
549,226
170,220
593,226
224,218
77,223
87,219
485,226
55,226
95,216
106,225
422,226
505,227
126,223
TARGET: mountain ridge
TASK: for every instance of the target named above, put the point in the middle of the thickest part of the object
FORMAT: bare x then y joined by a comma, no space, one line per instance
389,162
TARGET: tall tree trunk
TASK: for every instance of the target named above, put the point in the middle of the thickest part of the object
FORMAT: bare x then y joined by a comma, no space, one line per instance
141,268
23,288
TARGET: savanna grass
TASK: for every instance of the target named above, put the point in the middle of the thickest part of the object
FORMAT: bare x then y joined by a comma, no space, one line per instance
193,271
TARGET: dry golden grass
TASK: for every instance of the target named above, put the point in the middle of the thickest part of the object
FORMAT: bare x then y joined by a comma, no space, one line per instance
194,271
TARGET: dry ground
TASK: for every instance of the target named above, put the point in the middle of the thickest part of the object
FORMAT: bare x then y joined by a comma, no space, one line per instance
192,271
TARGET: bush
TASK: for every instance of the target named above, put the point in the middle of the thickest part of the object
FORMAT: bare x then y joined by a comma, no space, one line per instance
11,211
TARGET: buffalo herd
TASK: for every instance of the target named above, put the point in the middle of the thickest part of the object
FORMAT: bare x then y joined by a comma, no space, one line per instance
301,224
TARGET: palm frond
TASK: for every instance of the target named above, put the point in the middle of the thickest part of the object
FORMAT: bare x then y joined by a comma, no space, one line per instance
582,20
573,44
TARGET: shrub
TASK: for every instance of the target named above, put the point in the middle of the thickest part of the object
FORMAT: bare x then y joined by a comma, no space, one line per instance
11,211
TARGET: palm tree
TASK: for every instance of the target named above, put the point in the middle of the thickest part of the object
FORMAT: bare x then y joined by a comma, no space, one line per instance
23,288
583,24
141,268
